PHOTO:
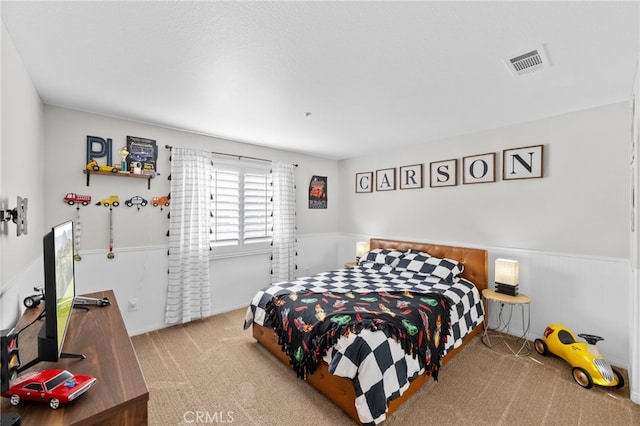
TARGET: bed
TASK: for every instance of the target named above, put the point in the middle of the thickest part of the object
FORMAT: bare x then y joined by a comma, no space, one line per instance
391,276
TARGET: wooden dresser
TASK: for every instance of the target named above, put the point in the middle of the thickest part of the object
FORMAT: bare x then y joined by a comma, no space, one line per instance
120,395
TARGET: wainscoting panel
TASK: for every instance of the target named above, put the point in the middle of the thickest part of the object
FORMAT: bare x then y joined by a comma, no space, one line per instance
588,294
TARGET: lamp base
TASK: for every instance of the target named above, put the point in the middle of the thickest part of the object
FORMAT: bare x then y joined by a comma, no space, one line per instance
511,290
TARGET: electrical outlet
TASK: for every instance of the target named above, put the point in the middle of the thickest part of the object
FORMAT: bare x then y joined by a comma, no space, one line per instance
133,305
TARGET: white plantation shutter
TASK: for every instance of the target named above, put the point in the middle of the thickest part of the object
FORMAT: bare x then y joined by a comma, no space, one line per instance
258,220
241,206
225,207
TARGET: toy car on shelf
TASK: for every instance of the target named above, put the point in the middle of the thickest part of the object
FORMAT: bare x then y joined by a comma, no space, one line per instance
113,200
51,386
136,200
589,366
160,201
93,165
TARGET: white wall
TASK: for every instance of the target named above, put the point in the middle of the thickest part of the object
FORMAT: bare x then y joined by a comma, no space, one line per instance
66,132
140,273
569,230
21,174
139,269
580,206
564,288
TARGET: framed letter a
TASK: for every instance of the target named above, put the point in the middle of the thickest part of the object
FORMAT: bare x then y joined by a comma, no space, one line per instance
386,179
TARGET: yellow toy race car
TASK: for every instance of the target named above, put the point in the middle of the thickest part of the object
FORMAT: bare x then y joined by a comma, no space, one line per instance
589,367
93,165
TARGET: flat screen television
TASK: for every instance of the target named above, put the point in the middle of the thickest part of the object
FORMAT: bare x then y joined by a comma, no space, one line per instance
59,294
59,290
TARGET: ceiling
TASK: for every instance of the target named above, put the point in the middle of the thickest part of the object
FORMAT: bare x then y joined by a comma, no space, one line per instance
331,79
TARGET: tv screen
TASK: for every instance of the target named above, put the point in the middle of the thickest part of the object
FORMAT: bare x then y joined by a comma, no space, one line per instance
59,290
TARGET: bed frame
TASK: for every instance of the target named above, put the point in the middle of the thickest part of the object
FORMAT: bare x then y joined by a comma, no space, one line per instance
340,389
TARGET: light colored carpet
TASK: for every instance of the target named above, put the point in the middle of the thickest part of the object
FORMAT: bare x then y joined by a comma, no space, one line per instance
213,372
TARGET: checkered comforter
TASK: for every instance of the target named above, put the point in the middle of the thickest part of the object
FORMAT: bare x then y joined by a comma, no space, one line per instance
380,369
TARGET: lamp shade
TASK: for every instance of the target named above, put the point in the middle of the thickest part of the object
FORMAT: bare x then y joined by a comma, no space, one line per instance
507,271
361,249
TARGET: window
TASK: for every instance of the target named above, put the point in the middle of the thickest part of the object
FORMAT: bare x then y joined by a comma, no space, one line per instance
34,387
241,207
60,378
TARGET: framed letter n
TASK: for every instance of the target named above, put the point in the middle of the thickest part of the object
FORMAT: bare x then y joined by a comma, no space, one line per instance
522,163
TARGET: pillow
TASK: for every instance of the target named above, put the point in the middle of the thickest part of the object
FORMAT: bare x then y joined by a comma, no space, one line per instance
423,263
381,267
383,256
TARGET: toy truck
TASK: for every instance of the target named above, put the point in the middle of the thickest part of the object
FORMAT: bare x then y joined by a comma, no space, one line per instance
162,201
113,200
72,198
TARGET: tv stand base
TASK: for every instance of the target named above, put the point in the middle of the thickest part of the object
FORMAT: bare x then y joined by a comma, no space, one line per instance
79,356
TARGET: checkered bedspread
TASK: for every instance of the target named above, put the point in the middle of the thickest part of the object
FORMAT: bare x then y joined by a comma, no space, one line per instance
380,369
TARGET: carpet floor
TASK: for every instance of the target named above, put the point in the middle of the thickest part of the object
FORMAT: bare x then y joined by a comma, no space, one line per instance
211,371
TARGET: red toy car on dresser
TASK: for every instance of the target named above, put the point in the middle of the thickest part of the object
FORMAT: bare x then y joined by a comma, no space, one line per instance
51,386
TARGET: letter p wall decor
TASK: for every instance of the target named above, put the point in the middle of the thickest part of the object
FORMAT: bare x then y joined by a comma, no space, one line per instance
98,147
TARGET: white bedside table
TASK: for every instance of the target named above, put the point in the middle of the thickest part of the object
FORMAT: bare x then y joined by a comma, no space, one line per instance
500,335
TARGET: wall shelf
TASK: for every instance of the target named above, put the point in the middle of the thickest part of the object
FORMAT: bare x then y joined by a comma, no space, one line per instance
120,174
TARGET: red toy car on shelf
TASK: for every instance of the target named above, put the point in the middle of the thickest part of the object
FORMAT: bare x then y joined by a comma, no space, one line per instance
51,386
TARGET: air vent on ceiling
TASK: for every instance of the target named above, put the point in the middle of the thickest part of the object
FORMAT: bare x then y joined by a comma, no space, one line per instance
525,63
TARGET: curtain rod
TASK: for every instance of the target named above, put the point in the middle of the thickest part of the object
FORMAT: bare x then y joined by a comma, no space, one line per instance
239,157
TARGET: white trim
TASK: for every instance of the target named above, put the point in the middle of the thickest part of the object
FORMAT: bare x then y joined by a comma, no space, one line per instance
166,247
491,249
122,250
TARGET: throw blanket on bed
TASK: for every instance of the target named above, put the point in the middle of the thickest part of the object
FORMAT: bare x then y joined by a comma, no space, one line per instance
308,323
375,362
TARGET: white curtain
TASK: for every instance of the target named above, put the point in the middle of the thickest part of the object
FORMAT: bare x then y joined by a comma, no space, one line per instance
283,260
189,289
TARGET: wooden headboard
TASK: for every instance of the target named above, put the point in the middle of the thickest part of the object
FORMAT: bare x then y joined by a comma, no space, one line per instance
476,263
